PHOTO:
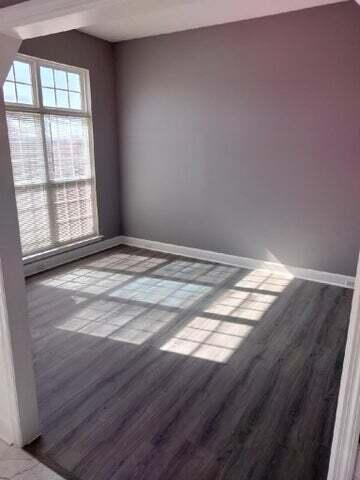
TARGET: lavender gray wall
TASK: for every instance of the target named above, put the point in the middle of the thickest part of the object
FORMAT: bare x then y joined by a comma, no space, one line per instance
245,138
79,49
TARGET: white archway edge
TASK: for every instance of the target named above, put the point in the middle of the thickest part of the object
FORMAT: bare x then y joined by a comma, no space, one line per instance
9,418
19,420
11,428
8,48
35,18
347,424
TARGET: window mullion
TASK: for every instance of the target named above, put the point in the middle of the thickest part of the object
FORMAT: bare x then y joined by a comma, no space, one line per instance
49,190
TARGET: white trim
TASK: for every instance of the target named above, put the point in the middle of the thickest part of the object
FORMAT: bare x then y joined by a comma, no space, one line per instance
73,254
10,430
347,424
35,63
56,251
357,466
68,256
44,17
242,262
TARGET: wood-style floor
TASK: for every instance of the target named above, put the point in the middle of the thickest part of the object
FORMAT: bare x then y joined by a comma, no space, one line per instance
156,367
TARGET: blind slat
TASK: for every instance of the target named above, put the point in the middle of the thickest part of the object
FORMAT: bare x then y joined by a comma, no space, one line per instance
53,178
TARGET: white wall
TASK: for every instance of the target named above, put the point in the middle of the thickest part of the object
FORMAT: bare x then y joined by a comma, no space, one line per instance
19,421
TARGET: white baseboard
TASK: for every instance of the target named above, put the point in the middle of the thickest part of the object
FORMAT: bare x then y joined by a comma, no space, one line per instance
242,262
207,255
37,266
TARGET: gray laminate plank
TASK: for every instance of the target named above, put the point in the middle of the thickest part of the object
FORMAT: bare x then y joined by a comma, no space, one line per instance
151,366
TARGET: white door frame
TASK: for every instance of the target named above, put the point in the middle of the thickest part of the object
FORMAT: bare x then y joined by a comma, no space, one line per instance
19,420
347,424
14,427
41,17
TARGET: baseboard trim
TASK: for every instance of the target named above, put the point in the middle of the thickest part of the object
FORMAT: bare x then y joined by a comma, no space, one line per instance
54,261
242,262
38,266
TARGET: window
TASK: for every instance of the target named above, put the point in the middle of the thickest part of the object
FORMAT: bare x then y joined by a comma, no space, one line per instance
50,134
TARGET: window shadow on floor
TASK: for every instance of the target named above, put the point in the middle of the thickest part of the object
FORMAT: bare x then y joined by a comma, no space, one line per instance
141,356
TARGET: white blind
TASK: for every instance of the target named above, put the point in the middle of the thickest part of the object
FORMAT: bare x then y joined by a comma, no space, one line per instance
29,171
53,176
67,146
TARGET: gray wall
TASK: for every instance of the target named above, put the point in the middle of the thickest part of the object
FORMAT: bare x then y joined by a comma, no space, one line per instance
245,138
79,49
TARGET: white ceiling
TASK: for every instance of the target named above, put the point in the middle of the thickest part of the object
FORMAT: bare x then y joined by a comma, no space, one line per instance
127,19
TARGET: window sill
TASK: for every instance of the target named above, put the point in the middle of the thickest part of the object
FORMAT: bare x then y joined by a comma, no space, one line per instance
56,251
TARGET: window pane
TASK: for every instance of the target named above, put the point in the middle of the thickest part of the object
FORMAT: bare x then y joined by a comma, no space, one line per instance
9,92
28,162
62,99
11,74
34,220
66,86
67,143
22,72
18,88
26,148
24,94
75,100
52,167
74,82
73,210
48,95
47,78
60,79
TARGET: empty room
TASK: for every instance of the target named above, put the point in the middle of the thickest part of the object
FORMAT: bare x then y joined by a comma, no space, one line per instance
179,240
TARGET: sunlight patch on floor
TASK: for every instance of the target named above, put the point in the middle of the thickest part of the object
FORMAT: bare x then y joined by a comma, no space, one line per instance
208,339
127,262
86,280
265,280
240,304
201,272
134,309
163,292
122,322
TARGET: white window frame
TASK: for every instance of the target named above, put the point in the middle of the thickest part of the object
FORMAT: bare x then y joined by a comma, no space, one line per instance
38,107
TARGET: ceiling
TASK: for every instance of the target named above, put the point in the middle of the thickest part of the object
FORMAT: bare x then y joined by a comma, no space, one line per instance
8,3
127,19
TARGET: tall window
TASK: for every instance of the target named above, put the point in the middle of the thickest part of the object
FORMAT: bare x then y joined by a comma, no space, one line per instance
50,134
